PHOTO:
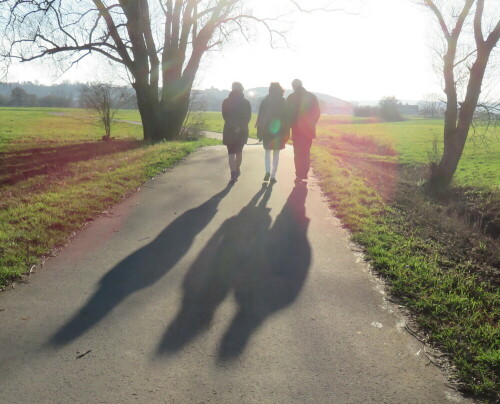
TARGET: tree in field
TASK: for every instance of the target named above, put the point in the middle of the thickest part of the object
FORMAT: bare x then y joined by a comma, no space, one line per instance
18,97
459,113
160,43
104,100
389,111
431,106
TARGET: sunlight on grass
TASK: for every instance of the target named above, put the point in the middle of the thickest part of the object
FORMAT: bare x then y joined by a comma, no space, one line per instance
413,140
55,175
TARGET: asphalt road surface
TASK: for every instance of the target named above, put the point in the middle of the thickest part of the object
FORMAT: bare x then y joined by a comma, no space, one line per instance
193,291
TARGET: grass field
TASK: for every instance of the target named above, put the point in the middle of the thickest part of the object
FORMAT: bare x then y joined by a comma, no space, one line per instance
19,127
55,175
413,142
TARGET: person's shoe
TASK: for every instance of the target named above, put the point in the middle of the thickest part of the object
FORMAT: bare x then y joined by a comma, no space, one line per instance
237,173
266,177
273,180
234,177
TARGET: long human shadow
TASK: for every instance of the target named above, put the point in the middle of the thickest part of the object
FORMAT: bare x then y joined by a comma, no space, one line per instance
140,269
275,280
266,266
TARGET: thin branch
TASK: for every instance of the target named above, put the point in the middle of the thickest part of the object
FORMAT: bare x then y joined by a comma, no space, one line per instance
327,9
439,15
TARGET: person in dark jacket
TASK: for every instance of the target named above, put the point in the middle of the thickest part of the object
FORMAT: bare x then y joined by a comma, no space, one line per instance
302,110
237,112
271,128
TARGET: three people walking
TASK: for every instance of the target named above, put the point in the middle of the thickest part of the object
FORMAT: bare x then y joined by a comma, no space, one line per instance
299,113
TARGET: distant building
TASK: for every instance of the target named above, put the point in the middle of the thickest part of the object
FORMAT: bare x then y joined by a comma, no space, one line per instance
407,109
335,106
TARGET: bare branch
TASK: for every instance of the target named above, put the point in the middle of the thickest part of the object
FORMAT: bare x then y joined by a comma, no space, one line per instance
439,16
328,8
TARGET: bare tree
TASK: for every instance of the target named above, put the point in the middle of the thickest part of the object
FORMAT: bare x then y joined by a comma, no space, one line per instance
459,114
485,124
104,100
160,42
194,122
431,106
389,109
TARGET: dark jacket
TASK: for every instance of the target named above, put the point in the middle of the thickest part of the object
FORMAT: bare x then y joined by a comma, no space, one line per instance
271,127
237,112
302,111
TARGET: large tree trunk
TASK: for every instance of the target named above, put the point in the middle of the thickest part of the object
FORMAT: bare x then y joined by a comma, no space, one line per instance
163,120
149,110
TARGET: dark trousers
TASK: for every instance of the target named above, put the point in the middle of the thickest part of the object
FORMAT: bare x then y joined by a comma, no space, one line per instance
302,156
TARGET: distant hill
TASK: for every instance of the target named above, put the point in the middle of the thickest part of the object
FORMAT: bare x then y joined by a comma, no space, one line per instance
211,100
204,100
65,89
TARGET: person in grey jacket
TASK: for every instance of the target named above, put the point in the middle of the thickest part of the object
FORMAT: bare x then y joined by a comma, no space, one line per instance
271,128
237,112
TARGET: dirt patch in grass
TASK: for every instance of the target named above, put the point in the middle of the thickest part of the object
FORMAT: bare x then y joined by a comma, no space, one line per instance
19,165
374,162
465,222
443,222
59,189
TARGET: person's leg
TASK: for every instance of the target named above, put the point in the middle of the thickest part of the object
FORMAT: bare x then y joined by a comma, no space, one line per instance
239,158
231,154
297,158
302,157
276,160
267,160
232,162
307,158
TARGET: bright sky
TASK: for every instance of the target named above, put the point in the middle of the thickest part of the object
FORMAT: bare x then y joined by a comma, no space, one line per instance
383,50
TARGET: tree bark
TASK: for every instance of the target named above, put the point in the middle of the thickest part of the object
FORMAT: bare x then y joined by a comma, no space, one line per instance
458,121
455,139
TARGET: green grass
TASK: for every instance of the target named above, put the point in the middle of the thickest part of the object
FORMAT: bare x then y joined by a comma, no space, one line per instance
21,126
413,140
55,176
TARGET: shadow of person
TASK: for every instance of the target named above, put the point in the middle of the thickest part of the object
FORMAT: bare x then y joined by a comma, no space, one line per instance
275,278
141,269
212,275
265,266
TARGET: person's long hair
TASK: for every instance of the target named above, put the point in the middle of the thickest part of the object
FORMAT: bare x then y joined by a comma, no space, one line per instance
275,90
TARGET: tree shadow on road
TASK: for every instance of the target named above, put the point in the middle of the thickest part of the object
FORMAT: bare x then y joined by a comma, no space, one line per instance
265,265
141,269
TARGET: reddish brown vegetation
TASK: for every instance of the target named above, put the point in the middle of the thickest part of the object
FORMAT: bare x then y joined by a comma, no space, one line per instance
365,156
19,165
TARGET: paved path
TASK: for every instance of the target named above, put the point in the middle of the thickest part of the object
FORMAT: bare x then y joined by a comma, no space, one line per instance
194,292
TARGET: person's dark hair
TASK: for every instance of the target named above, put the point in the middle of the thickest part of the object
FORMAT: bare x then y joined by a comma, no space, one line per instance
276,90
237,86
296,84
